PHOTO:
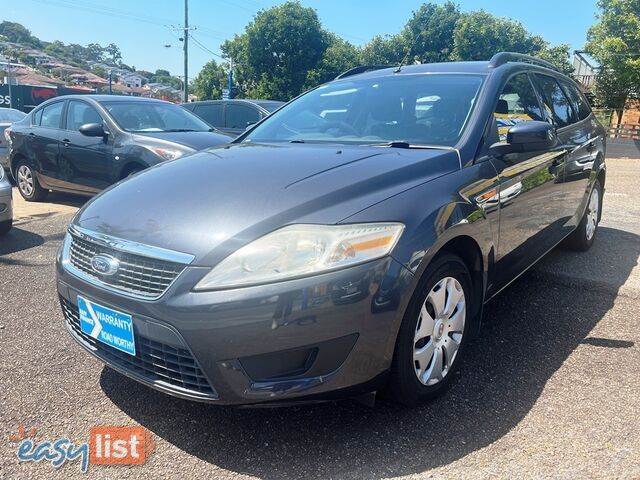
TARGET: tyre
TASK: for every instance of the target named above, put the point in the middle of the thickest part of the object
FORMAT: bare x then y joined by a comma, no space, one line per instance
5,227
28,184
583,236
433,333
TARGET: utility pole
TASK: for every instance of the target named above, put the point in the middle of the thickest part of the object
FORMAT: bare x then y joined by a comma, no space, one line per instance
230,78
185,84
9,81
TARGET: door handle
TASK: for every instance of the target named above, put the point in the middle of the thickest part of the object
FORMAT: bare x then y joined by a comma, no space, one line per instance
32,134
66,142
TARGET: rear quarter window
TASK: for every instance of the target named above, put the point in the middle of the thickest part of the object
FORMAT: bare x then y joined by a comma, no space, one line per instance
580,104
555,101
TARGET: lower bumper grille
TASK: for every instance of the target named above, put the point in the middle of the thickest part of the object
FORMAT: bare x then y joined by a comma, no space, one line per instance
174,367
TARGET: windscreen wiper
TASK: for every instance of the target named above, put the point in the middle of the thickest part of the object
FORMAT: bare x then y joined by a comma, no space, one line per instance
184,130
401,144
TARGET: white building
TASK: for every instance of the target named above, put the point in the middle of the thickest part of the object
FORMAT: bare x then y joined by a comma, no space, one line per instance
132,80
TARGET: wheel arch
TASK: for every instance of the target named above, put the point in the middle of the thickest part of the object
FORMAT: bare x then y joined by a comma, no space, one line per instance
130,167
468,250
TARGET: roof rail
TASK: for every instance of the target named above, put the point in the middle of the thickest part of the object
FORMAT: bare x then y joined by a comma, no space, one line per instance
504,57
361,69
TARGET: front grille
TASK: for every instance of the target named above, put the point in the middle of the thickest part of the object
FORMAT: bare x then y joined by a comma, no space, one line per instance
157,362
142,276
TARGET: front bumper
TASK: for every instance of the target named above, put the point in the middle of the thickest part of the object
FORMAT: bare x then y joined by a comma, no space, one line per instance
314,337
6,200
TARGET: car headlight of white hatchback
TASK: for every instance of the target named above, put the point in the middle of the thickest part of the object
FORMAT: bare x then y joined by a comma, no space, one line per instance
300,250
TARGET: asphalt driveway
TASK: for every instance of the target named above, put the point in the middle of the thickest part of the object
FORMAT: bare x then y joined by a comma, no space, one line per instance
549,389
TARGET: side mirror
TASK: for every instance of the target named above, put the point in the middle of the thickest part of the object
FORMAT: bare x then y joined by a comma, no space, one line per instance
93,130
529,136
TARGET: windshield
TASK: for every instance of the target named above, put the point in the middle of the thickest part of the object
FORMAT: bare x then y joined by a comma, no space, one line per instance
419,109
10,115
138,117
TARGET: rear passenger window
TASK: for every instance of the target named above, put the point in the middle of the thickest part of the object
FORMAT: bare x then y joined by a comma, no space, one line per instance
576,98
555,101
240,116
517,103
212,114
51,115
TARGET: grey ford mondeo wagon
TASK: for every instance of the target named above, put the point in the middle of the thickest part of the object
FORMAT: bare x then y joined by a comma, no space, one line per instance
343,245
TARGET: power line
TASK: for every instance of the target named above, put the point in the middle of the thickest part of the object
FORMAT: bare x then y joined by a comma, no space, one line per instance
202,47
112,12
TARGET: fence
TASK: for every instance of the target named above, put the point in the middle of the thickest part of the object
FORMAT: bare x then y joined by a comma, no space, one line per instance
627,130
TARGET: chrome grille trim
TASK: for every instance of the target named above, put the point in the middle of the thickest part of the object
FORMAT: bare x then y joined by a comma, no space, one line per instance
145,272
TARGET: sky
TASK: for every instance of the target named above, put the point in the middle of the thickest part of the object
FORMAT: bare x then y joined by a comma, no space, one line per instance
142,28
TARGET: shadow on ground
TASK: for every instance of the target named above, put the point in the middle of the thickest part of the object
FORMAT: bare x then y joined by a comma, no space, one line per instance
531,328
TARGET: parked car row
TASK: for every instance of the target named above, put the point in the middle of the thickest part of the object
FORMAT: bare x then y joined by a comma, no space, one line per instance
233,116
343,245
7,117
84,143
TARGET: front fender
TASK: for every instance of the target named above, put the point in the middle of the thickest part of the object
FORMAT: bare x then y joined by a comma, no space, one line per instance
461,204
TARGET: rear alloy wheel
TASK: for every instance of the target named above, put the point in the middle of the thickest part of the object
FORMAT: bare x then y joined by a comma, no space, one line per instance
28,184
583,236
433,333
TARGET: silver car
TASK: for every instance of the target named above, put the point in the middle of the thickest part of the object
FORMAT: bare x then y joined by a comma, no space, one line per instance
6,204
7,117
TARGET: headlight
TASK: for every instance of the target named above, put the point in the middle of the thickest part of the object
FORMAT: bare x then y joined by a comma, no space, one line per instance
1,172
167,153
300,250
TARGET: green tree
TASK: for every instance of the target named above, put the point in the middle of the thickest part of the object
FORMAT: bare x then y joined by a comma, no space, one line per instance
99,71
277,50
17,33
209,82
614,41
113,52
339,57
557,55
478,35
95,52
428,34
387,50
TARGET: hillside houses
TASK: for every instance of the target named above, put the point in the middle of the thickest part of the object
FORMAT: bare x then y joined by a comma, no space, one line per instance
29,66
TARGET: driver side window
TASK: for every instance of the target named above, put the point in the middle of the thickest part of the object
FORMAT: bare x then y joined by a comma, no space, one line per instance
80,113
517,103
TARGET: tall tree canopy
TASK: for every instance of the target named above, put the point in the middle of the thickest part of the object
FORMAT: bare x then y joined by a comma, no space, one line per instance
209,82
285,49
277,50
614,41
428,33
17,33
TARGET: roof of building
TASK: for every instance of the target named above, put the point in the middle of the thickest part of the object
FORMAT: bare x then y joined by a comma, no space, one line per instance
28,77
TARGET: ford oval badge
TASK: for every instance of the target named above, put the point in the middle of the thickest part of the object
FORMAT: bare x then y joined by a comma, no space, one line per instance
105,264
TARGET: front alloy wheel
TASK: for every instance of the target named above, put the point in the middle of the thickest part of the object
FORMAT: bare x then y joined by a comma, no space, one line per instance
433,333
439,331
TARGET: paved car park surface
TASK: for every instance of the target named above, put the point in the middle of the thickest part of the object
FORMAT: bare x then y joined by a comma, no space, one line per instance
549,389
